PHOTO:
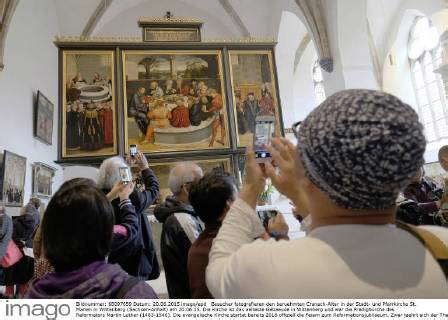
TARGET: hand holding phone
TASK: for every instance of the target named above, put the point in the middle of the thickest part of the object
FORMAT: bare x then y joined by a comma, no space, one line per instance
133,150
264,130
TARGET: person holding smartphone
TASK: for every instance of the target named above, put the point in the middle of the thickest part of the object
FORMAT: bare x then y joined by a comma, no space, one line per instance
137,254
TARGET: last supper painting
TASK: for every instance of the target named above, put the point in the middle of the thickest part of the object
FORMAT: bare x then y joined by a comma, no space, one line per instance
88,109
174,100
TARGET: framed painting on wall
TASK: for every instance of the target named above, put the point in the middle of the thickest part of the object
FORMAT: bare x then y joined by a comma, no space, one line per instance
162,171
43,119
174,100
13,182
254,91
88,104
42,180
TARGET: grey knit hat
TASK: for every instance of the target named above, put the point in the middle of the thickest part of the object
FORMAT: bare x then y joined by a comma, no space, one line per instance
361,148
5,233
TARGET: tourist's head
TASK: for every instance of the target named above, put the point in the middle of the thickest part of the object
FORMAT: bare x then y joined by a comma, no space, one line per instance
358,150
77,226
443,157
417,178
141,90
212,196
109,173
35,202
251,96
181,177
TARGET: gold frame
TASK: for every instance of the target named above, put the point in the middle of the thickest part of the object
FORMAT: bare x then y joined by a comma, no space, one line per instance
274,88
216,53
64,102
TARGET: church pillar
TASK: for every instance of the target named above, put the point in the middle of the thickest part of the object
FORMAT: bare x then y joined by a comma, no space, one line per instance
348,36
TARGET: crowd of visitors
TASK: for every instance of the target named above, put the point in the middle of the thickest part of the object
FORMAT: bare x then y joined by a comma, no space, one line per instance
355,181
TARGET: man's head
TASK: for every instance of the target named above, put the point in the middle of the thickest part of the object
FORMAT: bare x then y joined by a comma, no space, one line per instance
109,173
141,90
443,157
153,85
80,212
212,93
417,179
358,150
35,202
251,96
212,196
181,177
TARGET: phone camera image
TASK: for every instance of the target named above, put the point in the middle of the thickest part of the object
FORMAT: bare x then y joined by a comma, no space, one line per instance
125,174
265,215
133,150
264,130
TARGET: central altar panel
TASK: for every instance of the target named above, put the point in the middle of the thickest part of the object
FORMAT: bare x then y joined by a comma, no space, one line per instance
174,100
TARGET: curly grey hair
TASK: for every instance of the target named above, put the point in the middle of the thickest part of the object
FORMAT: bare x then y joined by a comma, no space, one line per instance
109,174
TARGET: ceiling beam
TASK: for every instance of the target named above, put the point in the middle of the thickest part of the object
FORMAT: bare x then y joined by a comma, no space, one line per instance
314,15
7,8
301,49
235,17
95,17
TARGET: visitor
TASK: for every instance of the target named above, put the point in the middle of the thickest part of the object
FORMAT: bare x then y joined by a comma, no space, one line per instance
355,153
181,227
135,253
77,232
26,224
424,192
211,198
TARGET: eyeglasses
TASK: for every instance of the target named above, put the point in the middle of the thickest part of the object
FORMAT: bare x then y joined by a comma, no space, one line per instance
295,128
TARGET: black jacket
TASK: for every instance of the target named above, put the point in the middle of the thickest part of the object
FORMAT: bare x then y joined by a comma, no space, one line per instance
175,244
136,253
25,225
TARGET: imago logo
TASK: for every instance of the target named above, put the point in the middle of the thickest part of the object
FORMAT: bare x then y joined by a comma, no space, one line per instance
49,311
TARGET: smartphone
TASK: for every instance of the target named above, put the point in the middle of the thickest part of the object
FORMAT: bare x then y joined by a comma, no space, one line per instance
125,174
133,150
264,131
265,215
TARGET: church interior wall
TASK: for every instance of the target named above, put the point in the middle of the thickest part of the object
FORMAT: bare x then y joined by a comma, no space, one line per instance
28,69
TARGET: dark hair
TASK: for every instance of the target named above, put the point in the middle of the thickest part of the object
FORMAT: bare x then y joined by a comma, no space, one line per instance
210,194
77,226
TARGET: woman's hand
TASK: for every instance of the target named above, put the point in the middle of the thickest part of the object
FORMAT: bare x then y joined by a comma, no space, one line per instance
126,190
141,161
113,193
121,190
255,179
287,178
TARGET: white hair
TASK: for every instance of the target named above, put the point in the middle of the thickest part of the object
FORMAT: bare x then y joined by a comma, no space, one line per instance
109,173
182,173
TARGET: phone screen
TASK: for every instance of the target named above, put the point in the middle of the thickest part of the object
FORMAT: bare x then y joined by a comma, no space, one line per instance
265,215
133,150
125,174
264,129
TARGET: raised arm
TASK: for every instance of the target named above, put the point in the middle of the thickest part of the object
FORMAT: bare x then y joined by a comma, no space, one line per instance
143,199
241,226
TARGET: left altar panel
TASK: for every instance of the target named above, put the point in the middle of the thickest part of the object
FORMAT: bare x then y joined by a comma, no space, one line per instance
88,104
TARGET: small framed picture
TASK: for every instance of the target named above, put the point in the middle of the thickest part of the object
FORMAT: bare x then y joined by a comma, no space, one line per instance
13,179
42,180
43,119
